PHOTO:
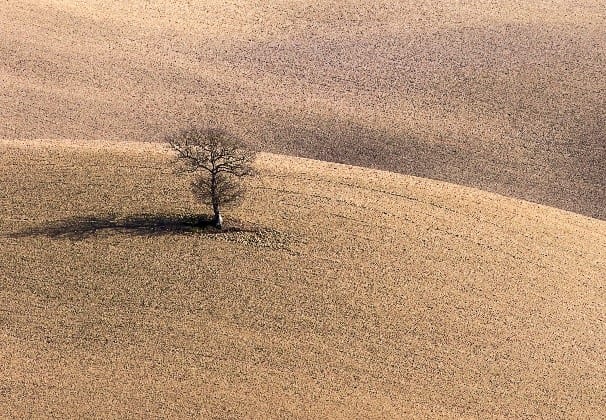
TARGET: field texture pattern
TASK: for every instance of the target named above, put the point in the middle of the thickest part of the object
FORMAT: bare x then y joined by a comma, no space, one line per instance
351,293
507,96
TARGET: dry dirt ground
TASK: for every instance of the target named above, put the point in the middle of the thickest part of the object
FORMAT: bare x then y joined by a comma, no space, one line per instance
350,293
508,96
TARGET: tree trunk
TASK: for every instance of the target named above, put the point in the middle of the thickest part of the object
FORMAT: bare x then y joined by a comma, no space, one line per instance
217,219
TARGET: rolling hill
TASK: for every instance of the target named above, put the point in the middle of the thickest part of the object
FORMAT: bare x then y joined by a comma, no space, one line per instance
506,96
336,291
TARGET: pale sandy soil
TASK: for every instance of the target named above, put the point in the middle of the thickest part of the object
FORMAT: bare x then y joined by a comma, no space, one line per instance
507,96
362,294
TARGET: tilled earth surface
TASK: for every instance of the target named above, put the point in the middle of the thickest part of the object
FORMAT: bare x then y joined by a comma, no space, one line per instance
334,291
507,96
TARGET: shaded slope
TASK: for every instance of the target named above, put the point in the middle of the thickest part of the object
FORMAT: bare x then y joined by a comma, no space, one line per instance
507,97
367,294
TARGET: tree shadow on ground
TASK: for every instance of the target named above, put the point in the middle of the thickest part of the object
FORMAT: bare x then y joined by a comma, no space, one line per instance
79,228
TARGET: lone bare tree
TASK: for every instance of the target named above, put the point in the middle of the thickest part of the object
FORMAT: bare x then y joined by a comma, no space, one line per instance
219,160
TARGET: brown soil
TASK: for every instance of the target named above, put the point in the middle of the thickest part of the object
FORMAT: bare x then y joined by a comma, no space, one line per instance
337,292
506,96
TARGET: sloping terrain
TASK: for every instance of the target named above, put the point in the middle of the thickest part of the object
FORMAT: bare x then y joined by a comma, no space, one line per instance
506,96
348,292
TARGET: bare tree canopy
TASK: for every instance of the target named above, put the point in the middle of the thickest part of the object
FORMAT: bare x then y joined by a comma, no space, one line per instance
219,160
227,188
